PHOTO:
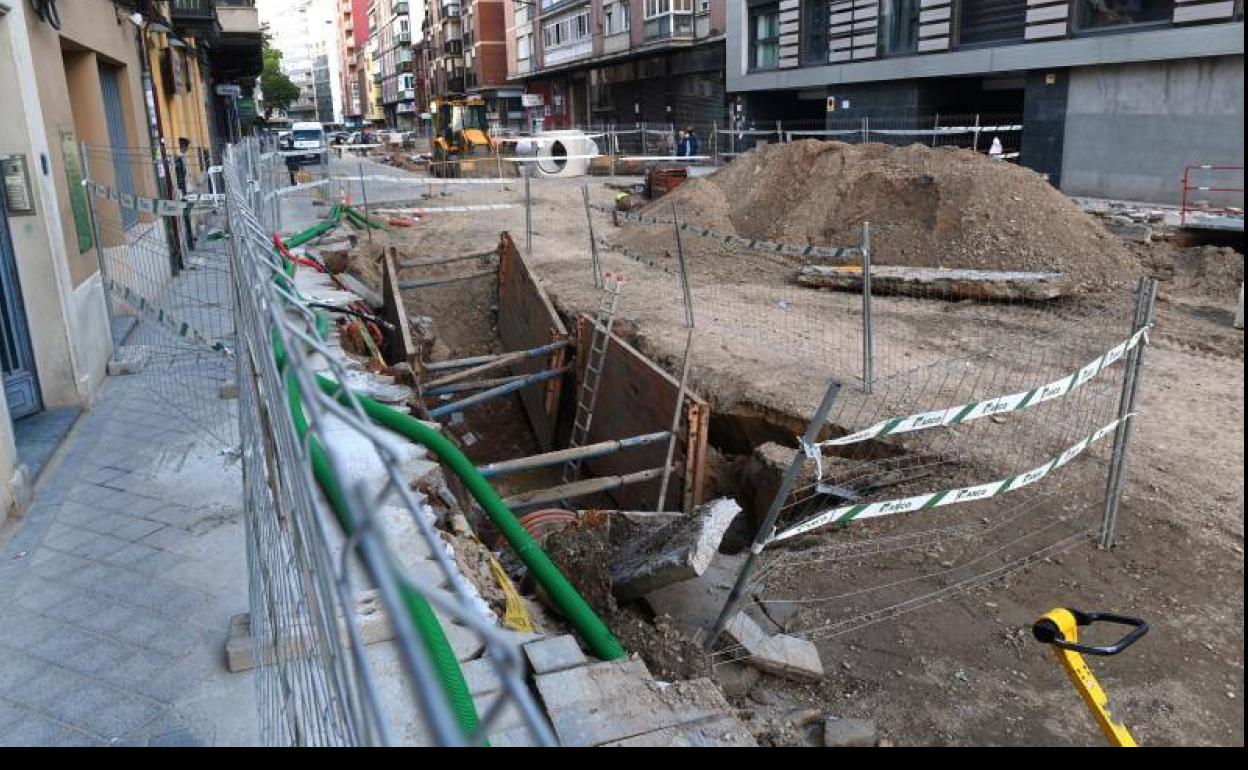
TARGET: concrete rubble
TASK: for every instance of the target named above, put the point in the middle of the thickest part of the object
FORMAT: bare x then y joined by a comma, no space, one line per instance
778,654
672,553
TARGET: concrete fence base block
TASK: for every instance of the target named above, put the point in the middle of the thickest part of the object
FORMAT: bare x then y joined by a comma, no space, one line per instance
128,359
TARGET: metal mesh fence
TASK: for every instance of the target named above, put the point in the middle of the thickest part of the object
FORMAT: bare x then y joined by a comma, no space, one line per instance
1022,395
167,278
339,545
998,135
899,350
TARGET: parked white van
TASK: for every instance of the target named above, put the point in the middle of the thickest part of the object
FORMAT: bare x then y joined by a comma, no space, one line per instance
308,142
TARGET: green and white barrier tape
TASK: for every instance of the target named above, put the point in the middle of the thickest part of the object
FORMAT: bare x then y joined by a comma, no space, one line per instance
163,317
948,496
963,413
157,207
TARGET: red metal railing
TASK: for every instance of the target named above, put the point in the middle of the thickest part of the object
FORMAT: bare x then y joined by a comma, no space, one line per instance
1184,208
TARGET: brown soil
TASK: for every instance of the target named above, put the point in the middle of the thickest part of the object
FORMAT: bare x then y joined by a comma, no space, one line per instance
583,553
926,207
964,670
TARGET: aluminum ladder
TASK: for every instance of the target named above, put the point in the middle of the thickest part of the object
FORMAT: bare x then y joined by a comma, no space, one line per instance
599,339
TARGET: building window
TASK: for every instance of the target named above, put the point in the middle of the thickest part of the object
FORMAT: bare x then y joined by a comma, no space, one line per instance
568,30
814,24
704,6
990,22
765,36
615,17
1103,14
523,45
899,27
668,18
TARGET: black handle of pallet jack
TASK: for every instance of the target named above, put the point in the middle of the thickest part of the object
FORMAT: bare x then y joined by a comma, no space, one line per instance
1046,631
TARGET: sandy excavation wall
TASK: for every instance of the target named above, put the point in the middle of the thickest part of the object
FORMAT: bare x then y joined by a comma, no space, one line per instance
927,207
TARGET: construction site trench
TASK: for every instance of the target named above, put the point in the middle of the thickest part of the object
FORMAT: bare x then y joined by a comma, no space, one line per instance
917,623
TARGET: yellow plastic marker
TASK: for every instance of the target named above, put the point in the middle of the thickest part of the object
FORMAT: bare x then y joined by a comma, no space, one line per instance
1060,628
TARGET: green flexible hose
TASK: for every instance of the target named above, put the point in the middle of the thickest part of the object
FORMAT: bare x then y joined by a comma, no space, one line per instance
589,625
423,618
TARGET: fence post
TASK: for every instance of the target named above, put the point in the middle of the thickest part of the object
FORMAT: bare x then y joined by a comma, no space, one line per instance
935,128
975,135
593,243
866,131
1145,299
687,294
99,245
714,143
368,219
613,142
768,526
528,210
642,126
779,133
868,330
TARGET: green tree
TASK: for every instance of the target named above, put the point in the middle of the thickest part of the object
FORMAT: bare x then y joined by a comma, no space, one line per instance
279,91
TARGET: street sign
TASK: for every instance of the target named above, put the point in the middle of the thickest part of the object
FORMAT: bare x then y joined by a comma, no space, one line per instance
532,100
229,89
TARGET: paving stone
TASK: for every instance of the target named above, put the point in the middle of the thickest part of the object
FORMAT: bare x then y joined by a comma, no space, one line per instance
38,731
554,654
611,701
136,529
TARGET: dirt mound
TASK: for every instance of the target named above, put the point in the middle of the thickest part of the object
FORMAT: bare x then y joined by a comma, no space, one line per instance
927,207
1210,271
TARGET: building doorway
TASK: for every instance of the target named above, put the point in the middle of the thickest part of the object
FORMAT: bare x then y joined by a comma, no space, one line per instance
21,385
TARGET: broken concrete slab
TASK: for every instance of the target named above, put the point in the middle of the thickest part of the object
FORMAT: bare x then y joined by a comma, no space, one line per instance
128,359
555,654
618,700
693,605
673,553
848,733
778,654
937,282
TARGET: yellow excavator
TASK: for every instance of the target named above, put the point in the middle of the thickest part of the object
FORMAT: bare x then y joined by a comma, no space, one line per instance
461,138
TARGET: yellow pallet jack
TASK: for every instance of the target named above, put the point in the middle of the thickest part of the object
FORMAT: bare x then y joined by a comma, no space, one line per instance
1060,628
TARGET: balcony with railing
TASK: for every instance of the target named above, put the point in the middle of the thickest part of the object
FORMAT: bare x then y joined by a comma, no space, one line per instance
400,7
452,10
194,17
453,47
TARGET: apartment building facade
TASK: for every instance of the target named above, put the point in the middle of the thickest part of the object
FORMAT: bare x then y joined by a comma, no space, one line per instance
1115,96
352,28
619,61
306,33
391,34
467,54
94,95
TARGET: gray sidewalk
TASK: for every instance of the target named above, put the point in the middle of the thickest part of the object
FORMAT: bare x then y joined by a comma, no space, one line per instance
117,585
